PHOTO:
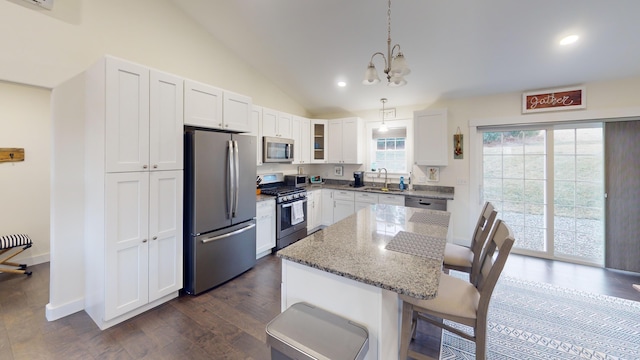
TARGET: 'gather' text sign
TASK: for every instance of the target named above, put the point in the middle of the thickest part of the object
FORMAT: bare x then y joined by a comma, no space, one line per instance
554,99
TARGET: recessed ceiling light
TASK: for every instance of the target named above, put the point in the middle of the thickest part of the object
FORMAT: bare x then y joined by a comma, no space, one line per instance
569,40
342,84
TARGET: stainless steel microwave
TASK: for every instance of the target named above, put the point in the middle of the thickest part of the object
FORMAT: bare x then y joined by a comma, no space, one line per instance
296,180
277,150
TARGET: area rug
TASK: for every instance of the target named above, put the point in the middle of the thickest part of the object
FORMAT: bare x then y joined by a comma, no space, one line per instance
531,320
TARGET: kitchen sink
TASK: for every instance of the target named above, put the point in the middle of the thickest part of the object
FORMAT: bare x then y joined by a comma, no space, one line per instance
379,189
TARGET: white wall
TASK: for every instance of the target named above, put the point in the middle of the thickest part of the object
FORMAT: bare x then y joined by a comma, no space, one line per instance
45,48
24,185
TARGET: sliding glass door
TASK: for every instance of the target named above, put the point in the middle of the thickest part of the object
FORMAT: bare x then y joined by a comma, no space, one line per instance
547,183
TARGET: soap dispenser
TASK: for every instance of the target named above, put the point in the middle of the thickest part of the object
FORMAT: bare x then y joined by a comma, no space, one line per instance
402,183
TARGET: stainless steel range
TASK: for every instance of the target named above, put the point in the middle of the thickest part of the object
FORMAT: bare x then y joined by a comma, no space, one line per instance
291,209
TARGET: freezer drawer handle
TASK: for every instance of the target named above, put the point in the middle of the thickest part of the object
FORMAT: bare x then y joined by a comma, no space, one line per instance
239,231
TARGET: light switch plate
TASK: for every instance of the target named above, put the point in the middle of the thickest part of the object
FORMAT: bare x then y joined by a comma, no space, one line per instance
47,4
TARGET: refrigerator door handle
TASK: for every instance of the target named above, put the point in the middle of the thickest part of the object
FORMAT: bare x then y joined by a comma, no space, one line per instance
232,182
219,237
236,163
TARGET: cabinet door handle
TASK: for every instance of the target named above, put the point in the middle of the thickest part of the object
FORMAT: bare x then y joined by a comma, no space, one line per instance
155,238
155,166
145,166
144,240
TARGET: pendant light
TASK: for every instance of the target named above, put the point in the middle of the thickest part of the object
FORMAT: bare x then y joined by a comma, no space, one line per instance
383,127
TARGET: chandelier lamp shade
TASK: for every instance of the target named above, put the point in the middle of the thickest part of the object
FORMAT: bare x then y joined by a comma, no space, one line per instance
395,65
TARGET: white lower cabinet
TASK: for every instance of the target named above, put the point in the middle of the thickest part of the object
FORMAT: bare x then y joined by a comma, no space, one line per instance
327,207
391,199
363,200
338,204
265,227
141,247
314,209
343,205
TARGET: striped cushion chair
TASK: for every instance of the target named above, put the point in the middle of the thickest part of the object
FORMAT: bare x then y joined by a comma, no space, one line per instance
10,246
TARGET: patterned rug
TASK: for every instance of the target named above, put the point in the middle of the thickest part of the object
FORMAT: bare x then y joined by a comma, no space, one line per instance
530,320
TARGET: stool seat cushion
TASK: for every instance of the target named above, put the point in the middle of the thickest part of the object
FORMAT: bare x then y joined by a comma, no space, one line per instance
10,241
456,297
458,255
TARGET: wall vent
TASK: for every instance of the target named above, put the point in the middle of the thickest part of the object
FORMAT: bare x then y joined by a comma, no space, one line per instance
47,4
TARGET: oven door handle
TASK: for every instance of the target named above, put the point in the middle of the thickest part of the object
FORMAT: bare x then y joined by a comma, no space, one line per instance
219,237
291,203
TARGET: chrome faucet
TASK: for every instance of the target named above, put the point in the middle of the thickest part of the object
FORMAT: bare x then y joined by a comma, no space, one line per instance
386,181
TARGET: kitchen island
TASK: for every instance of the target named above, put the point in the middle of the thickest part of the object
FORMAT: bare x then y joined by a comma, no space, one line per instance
346,269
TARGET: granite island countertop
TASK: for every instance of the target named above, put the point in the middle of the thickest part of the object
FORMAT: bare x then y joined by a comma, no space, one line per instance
355,248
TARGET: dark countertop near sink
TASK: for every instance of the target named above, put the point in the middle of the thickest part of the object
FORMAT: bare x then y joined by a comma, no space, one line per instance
434,192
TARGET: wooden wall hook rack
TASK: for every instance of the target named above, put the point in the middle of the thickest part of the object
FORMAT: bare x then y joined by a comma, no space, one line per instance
11,154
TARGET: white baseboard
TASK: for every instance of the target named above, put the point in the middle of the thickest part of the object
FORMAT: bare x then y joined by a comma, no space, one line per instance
54,313
32,260
263,254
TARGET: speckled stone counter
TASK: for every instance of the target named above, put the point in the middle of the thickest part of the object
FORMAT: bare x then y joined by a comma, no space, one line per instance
444,193
261,197
355,248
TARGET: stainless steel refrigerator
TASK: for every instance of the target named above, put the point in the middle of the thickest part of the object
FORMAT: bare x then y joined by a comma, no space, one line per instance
220,207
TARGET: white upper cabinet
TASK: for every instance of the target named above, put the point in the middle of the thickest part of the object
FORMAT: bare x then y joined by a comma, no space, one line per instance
335,141
346,141
301,128
277,124
320,141
236,112
166,109
209,107
430,137
256,130
143,118
126,116
202,105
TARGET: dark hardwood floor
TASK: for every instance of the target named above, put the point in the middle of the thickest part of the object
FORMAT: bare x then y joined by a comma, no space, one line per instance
227,322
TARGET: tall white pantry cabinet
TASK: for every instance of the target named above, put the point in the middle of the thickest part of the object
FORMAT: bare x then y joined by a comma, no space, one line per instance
133,176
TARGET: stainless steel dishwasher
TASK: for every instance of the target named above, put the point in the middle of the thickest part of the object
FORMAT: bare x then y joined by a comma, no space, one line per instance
423,202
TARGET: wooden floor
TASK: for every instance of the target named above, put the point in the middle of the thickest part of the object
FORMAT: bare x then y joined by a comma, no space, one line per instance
225,323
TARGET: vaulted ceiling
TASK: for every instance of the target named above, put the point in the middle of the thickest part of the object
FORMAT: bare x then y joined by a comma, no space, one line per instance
455,48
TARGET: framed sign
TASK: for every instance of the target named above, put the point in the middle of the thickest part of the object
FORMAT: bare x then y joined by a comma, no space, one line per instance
433,174
554,100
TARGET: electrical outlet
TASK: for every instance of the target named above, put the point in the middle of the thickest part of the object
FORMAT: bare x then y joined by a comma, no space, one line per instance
462,181
47,4
422,179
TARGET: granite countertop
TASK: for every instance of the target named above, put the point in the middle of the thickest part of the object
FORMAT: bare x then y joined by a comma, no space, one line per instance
355,248
260,197
434,192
